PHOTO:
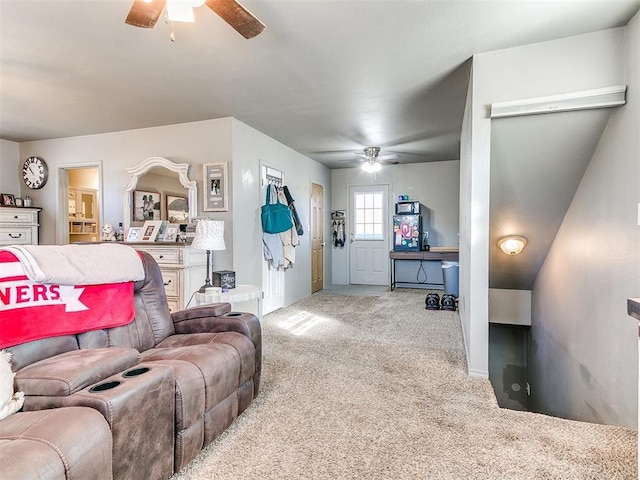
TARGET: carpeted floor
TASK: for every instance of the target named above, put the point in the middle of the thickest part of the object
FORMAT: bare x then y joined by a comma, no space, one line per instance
364,387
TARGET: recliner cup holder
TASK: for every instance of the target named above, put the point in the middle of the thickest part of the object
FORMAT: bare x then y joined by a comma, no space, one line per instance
234,314
135,372
101,387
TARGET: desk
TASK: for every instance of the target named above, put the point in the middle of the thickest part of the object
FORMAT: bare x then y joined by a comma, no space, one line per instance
240,294
442,253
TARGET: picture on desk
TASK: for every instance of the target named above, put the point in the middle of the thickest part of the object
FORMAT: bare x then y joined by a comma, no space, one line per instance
406,232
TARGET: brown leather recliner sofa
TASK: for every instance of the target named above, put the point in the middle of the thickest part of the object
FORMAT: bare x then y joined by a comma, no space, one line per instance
166,384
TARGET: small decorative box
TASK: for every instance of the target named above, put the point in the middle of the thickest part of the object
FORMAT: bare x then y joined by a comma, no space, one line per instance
224,279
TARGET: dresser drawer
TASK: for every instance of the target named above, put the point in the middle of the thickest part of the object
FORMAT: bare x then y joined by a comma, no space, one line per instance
165,256
16,235
18,215
174,305
171,280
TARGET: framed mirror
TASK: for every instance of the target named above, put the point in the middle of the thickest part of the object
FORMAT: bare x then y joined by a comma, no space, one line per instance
159,189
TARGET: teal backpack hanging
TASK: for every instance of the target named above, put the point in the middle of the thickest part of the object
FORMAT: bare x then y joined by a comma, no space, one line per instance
276,216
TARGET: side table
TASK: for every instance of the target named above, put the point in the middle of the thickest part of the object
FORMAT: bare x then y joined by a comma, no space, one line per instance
240,294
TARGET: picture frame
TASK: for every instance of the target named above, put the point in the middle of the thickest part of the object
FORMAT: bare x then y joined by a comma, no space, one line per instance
215,187
162,231
134,234
171,234
7,200
146,206
177,208
150,230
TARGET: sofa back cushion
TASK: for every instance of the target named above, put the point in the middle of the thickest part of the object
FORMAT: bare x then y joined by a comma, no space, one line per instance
32,352
152,322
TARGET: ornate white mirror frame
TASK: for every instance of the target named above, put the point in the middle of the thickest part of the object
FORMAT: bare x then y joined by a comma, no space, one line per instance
145,166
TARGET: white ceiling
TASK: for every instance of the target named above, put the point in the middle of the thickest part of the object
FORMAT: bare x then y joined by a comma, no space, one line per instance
326,78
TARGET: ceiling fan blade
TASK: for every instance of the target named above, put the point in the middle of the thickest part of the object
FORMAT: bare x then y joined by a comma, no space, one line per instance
389,162
145,15
389,156
237,16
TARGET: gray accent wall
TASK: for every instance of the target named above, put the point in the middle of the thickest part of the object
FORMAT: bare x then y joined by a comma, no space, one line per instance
584,354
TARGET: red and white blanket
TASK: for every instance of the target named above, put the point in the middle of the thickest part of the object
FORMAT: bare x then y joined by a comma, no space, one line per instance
31,310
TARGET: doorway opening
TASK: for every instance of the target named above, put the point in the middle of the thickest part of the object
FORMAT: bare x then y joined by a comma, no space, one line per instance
317,238
81,206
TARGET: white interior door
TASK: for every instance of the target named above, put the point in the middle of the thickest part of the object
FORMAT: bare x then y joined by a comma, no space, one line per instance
369,241
272,278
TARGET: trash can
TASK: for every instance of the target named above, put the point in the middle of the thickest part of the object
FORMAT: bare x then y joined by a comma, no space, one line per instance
450,275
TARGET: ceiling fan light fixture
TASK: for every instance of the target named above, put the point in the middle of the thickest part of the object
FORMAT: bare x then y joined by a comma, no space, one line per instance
512,244
181,10
371,166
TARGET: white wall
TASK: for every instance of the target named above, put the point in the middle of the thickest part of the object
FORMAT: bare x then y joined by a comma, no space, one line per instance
250,147
584,350
193,143
510,307
571,64
435,184
10,166
219,140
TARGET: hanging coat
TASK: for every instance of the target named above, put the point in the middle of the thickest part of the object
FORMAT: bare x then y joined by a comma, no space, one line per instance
272,246
289,238
296,219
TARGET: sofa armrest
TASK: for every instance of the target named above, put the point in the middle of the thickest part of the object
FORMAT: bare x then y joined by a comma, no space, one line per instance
209,310
216,318
203,320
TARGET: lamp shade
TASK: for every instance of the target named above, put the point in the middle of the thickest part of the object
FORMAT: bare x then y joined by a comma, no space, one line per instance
512,244
209,235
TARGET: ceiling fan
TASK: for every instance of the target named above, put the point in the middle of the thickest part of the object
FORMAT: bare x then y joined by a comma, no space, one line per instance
145,14
372,161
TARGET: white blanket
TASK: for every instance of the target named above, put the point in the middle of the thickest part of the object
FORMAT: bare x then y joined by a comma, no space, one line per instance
79,264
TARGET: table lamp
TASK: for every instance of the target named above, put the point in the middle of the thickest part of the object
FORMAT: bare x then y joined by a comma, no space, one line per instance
209,236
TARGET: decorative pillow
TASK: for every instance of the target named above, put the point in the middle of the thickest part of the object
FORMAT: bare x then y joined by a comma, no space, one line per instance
9,402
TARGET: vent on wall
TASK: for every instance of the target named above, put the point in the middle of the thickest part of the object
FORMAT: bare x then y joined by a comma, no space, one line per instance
586,99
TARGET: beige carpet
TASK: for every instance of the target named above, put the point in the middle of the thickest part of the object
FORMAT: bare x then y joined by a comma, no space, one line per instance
376,388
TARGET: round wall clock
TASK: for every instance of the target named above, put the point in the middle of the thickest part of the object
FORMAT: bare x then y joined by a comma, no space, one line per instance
35,172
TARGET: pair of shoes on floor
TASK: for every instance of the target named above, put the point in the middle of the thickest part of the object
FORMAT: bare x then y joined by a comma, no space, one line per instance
433,302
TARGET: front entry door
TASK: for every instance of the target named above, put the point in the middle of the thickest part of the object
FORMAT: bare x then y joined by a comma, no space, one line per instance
369,244
317,238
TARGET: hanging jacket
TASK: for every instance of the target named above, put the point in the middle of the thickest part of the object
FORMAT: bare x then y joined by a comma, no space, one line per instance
296,219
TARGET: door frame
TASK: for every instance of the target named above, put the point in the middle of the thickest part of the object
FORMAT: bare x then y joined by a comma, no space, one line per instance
62,186
321,224
386,226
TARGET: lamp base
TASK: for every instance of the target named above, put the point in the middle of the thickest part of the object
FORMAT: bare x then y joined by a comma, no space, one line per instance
204,287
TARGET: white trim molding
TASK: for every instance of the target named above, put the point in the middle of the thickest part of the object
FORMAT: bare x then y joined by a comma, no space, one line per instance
586,99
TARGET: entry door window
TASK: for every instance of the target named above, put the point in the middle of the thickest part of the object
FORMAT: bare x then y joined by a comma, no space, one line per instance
368,216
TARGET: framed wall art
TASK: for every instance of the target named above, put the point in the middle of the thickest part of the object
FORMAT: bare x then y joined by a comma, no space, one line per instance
177,208
146,206
215,187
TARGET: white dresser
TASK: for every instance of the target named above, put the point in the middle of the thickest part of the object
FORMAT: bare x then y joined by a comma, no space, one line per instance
183,270
19,225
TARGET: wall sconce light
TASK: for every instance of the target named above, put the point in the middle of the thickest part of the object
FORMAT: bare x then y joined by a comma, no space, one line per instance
512,244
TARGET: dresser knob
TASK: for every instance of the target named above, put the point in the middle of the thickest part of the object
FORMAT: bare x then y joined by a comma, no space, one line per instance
161,256
14,235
